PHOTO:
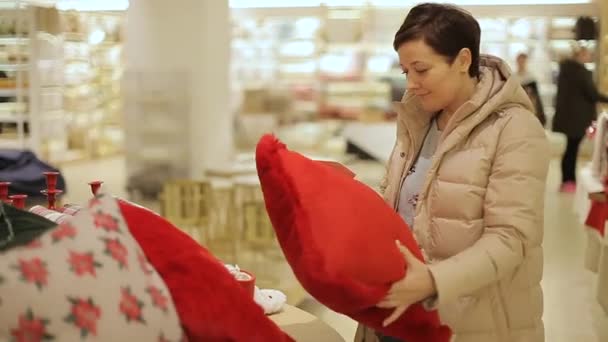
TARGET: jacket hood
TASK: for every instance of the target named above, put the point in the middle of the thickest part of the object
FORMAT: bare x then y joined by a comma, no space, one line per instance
497,89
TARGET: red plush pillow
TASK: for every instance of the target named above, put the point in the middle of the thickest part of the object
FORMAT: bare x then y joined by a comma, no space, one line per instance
339,237
211,304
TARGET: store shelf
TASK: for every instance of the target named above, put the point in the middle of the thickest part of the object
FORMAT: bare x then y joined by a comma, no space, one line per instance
8,92
8,143
12,118
14,41
14,67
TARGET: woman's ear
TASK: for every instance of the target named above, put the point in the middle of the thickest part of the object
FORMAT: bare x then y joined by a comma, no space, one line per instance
464,60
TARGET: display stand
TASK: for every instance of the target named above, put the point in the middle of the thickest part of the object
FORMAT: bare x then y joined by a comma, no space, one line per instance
303,326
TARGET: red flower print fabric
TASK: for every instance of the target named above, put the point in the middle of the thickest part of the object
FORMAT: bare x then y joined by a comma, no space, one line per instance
64,231
31,328
84,315
34,244
158,299
85,280
116,251
33,271
131,307
83,263
144,264
106,222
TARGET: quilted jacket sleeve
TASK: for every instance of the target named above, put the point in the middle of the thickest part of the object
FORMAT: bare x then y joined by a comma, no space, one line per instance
513,212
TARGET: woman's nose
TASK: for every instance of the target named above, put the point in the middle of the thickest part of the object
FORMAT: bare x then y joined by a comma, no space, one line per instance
411,84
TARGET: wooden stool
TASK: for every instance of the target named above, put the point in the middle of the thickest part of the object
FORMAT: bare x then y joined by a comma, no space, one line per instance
223,236
260,242
246,189
186,203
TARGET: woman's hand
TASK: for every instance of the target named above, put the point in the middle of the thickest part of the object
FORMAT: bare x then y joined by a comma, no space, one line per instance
417,285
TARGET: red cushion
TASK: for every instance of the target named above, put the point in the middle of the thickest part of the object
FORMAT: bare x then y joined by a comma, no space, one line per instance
339,236
212,306
597,216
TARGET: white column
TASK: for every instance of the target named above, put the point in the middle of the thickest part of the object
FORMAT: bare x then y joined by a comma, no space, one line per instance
190,35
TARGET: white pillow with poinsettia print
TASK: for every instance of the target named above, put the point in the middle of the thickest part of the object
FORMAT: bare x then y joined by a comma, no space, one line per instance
85,280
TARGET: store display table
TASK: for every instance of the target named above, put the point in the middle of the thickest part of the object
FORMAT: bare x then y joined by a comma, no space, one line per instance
304,327
232,170
376,139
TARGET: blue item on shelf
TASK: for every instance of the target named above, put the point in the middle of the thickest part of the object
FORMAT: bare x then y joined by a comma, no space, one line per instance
24,170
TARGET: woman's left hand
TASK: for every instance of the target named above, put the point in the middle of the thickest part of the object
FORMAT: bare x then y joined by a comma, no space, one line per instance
417,285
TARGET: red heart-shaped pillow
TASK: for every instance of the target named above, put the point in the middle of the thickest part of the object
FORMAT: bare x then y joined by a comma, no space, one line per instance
338,235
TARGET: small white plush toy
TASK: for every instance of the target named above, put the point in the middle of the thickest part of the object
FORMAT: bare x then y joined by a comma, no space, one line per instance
272,301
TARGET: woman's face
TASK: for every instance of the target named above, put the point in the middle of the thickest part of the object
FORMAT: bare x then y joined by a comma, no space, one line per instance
429,75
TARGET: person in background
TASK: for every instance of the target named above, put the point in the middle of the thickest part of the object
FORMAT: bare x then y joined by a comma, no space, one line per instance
575,109
467,174
530,85
524,75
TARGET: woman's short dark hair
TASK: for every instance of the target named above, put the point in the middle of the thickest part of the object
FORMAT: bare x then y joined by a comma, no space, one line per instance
445,28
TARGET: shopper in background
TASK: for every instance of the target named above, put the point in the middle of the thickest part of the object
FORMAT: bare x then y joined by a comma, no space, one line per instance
575,109
530,85
467,174
523,73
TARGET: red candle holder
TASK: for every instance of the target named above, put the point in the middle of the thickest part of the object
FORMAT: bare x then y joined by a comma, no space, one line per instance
18,201
248,284
4,191
95,186
51,196
51,179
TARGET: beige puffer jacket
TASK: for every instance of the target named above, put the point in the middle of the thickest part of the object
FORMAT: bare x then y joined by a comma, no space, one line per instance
479,218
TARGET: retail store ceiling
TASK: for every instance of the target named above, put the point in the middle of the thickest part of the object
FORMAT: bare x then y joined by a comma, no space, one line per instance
481,8
392,3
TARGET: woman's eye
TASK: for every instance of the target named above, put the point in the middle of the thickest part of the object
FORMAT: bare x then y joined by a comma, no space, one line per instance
422,71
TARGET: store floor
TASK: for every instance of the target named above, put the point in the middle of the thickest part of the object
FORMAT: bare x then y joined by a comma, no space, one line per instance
571,311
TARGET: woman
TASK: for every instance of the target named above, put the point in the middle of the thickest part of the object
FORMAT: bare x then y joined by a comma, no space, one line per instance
574,110
467,174
530,85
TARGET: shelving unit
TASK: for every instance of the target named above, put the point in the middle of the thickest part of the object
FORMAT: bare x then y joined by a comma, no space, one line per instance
15,27
64,70
93,71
